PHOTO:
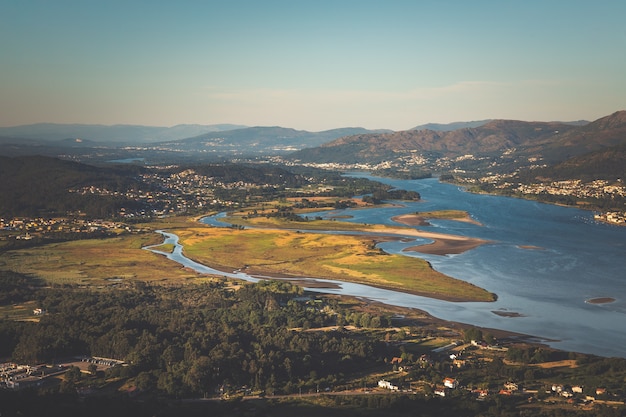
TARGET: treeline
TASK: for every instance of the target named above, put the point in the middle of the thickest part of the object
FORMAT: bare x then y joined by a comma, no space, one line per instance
187,341
381,194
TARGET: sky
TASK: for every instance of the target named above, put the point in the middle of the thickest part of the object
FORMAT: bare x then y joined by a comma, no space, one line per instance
310,65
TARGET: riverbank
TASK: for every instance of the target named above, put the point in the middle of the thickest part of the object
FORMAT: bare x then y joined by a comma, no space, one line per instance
410,316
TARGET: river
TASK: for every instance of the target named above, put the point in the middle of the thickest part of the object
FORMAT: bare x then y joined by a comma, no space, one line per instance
545,262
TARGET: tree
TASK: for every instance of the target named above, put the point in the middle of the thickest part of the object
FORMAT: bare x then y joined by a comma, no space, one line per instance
472,333
92,368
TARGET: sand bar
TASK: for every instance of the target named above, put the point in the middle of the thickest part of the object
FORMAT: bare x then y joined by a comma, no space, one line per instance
448,245
600,300
444,244
417,219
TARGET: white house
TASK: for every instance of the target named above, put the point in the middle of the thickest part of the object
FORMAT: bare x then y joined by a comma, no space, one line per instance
387,385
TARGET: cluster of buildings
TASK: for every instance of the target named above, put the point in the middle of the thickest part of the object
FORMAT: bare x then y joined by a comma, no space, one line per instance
598,189
23,228
577,189
174,193
461,358
14,376
612,217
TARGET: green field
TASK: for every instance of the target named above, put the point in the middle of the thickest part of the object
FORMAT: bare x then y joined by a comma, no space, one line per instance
96,261
284,253
272,248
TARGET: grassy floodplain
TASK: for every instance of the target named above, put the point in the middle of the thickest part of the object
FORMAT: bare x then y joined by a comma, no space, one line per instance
272,249
97,261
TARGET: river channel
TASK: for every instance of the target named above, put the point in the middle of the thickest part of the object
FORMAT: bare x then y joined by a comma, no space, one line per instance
545,263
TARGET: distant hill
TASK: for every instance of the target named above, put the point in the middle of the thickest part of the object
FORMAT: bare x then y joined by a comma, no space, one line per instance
608,163
550,141
494,137
127,134
183,143
605,132
447,127
258,140
556,150
39,186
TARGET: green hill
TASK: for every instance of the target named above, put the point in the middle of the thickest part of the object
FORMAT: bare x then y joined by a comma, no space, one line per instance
40,186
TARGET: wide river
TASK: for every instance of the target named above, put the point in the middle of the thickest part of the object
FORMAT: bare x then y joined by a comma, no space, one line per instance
544,263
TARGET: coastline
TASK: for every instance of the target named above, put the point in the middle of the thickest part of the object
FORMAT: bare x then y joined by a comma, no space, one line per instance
416,316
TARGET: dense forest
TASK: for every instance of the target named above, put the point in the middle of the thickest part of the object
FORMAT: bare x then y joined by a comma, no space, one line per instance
186,341
211,339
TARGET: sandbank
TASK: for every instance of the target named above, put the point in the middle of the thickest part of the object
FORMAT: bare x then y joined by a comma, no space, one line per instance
415,219
600,300
448,245
444,244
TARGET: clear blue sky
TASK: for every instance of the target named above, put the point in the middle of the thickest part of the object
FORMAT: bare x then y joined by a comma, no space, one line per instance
310,65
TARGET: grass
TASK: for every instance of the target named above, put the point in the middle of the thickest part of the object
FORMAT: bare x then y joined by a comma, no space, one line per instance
165,248
273,248
327,256
23,311
97,261
443,214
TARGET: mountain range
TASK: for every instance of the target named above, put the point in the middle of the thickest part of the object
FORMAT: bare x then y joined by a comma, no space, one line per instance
103,134
183,142
480,146
497,145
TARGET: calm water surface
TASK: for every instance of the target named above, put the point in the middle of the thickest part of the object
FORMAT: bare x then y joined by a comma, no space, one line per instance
573,259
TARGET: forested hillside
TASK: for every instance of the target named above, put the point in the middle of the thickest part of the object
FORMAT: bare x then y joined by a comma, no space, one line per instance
39,186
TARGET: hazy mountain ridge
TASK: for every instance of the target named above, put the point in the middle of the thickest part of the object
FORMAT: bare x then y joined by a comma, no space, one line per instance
495,145
447,127
260,139
113,133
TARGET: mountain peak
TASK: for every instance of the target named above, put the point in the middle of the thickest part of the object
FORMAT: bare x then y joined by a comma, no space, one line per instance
616,120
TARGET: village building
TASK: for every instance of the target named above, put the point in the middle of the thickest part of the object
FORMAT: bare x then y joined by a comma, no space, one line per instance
450,383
